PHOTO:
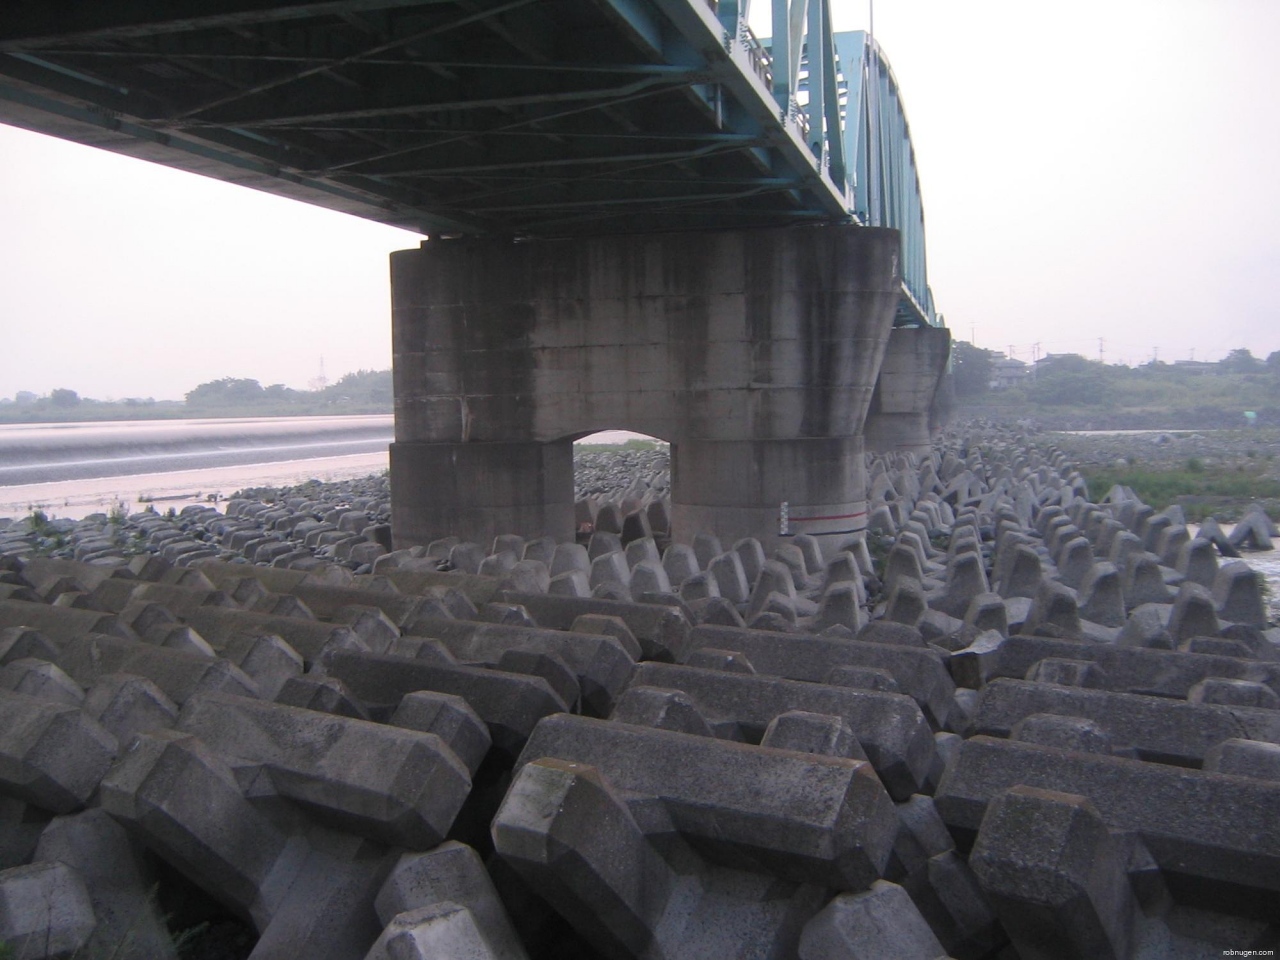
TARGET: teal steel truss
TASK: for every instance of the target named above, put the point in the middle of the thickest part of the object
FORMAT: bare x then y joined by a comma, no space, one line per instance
516,117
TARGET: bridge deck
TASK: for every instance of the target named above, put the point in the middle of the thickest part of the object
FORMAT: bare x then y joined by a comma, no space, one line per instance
522,117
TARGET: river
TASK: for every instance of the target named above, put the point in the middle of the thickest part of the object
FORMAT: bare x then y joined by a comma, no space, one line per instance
75,469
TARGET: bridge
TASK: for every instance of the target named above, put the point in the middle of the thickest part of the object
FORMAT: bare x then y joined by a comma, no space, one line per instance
639,215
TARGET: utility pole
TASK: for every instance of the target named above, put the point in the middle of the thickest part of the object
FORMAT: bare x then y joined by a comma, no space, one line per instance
973,327
1101,351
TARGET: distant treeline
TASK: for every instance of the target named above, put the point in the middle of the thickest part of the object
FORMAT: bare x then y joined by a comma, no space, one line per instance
1071,392
365,391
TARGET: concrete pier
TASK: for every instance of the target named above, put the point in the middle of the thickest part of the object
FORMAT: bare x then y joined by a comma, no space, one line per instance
754,353
913,368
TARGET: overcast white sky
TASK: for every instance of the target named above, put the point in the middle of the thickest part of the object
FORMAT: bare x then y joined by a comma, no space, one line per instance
1090,170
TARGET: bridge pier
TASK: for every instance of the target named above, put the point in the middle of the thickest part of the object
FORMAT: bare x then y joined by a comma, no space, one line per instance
754,352
914,364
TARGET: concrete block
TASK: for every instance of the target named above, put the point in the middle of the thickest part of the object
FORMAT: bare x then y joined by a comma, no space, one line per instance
708,658
1158,728
125,704
882,922
1054,606
321,694
1141,581
328,911
1194,613
1245,758
569,557
42,679
118,880
266,659
1214,837
568,833
751,552
45,911
17,643
1068,673
648,576
510,704
450,873
451,719
890,727
920,672
572,583
841,604
799,816
965,579
51,755
1237,592
662,709
185,804
609,626
387,783
1101,597
1055,877
443,929
1025,573
907,603
600,664
730,576
706,547
1064,733
1234,693
662,630
818,733
310,638
1197,561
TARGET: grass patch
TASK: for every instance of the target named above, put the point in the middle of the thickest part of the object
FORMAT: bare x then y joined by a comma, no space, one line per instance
631,446
1201,491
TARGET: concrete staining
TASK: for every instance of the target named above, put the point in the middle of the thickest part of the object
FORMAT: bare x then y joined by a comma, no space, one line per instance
754,353
1040,723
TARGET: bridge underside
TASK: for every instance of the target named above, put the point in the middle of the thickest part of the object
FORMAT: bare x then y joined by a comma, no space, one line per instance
507,117
627,231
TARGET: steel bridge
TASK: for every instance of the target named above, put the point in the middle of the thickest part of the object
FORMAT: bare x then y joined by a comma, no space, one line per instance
516,117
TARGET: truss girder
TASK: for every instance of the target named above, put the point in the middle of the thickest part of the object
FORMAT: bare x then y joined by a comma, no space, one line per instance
520,117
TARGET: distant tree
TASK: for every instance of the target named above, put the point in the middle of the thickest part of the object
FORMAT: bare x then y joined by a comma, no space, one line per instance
278,392
25,397
1071,380
227,392
362,386
62,397
1240,361
1273,361
972,368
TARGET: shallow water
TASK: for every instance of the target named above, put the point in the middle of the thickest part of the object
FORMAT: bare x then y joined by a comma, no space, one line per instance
74,469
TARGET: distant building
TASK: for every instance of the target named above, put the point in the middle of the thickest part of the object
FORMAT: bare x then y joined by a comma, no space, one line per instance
1008,373
1195,366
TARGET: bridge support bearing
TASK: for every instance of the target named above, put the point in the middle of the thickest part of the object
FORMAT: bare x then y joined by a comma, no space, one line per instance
913,367
754,352
478,490
770,489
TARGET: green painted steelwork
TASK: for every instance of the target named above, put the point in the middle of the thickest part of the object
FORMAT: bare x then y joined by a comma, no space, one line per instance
510,117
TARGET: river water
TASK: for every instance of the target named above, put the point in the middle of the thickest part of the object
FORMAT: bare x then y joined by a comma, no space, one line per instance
75,469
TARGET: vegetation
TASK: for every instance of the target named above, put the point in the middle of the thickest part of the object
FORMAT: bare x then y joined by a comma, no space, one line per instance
365,391
1070,392
1199,492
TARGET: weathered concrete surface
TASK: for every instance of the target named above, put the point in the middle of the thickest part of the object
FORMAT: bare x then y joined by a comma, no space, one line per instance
754,352
910,374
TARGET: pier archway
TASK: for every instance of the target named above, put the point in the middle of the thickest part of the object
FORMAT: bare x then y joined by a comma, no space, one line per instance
754,352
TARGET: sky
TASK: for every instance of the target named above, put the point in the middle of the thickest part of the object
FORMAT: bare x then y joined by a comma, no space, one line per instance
1098,177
